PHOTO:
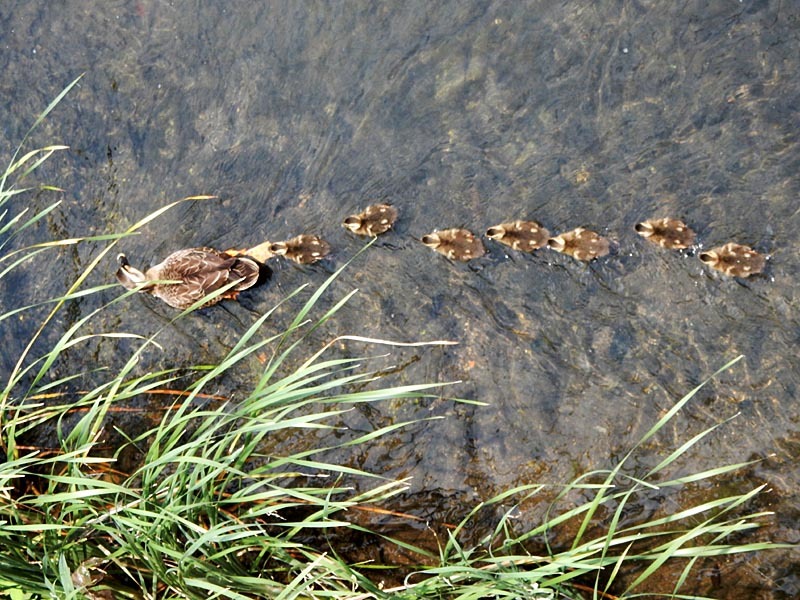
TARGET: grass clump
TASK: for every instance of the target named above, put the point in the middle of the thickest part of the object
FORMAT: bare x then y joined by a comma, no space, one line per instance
210,513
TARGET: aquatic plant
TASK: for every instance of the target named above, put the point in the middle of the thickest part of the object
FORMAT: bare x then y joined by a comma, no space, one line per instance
209,512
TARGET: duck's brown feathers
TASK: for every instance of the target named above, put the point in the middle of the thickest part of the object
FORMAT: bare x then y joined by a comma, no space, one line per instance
667,233
372,221
455,244
734,260
303,249
525,236
197,272
582,244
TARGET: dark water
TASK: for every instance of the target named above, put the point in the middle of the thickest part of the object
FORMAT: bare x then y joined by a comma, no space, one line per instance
461,114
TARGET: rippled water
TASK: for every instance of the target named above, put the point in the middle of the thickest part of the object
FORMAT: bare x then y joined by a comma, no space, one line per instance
461,114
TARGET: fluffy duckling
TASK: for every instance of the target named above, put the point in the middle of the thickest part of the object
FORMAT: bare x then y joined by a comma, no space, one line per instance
373,221
455,244
196,273
303,249
667,233
734,260
582,244
525,236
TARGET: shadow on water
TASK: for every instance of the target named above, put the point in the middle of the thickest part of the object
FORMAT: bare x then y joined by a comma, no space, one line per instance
461,114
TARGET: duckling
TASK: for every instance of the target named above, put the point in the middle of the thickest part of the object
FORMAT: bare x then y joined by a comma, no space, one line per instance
373,221
196,273
303,249
455,244
526,236
667,233
734,260
581,244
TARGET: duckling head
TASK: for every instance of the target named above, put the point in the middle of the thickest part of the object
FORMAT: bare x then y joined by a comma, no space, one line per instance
278,248
710,257
557,243
496,233
645,229
353,223
131,277
432,240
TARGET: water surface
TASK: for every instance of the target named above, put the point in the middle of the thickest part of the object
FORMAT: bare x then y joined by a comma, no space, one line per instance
461,114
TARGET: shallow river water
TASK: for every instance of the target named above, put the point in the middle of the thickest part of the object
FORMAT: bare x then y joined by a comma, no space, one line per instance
597,114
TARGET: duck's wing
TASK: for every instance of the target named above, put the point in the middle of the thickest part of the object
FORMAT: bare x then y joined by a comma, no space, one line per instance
246,269
201,271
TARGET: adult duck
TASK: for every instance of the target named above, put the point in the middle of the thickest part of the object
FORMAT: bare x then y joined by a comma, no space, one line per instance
187,276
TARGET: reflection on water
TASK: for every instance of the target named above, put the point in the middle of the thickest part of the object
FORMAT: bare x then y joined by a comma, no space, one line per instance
462,115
